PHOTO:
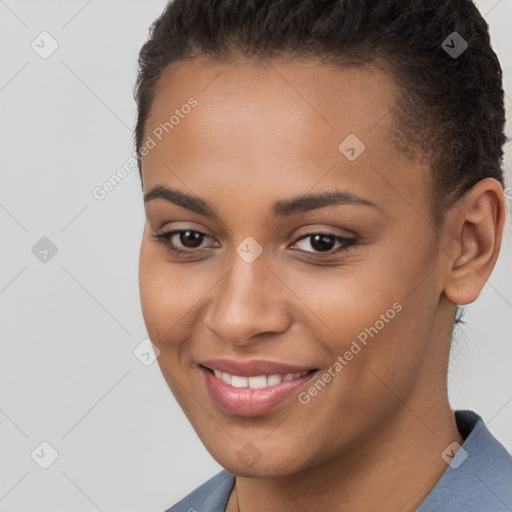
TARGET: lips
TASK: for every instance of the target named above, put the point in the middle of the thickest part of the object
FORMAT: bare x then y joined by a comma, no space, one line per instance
252,388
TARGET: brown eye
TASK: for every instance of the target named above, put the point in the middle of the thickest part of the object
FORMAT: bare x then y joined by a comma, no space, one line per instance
182,241
191,239
323,243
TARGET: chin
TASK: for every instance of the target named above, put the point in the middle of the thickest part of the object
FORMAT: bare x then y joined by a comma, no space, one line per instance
250,462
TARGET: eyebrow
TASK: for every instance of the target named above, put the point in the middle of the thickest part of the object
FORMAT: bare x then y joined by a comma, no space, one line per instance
284,208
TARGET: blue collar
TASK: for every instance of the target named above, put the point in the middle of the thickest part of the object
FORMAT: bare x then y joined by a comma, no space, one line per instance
482,481
477,479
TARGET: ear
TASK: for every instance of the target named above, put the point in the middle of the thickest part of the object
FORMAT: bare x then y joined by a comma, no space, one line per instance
476,230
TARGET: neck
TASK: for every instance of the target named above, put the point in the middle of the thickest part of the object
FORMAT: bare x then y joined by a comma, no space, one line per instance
395,470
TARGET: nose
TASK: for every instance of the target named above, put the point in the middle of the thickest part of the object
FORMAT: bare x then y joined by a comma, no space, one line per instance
249,301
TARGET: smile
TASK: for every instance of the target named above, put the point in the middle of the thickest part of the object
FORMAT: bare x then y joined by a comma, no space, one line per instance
257,382
255,394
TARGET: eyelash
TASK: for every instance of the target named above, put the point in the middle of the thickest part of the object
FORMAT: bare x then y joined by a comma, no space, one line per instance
165,239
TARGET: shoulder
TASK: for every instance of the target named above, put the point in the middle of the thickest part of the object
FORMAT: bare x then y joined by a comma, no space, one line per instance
212,496
479,476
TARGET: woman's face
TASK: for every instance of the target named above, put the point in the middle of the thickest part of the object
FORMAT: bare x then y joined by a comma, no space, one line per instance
348,290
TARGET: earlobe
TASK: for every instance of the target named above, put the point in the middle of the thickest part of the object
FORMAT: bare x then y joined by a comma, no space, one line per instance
476,235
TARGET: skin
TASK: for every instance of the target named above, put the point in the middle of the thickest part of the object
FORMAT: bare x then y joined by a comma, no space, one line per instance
261,133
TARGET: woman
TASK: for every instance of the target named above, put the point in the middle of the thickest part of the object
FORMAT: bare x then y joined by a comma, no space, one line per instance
323,188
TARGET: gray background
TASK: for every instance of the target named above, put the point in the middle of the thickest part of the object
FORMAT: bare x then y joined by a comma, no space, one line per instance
70,324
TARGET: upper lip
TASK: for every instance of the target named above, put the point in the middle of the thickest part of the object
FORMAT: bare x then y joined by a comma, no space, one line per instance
253,368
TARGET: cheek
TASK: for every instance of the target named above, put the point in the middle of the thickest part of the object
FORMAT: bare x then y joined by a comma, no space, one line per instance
383,301
170,295
344,299
162,301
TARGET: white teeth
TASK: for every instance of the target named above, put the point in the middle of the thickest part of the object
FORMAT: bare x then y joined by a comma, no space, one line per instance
257,382
239,382
272,380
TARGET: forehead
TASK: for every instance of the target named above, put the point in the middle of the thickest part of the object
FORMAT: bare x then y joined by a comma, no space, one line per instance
277,121
313,95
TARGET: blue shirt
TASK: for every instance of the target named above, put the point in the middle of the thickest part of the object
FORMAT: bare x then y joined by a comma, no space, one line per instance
477,479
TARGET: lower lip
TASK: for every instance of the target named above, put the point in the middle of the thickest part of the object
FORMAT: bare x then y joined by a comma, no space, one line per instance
248,401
